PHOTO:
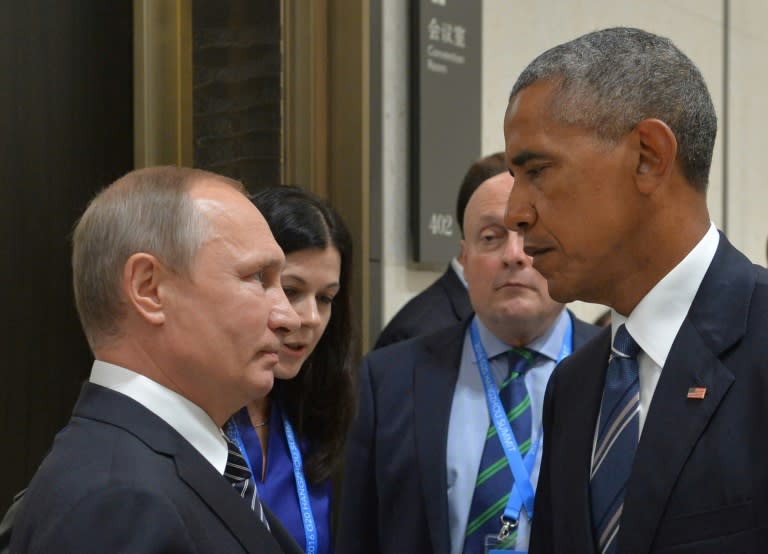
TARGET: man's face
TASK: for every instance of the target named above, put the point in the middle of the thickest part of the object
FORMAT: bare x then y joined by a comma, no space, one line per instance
226,320
508,295
574,199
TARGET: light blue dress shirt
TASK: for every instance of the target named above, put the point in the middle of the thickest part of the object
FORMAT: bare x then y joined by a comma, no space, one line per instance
469,420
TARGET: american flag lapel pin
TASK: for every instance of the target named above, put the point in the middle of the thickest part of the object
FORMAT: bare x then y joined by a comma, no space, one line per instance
697,393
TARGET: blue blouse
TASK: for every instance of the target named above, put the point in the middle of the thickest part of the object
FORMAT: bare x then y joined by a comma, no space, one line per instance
278,489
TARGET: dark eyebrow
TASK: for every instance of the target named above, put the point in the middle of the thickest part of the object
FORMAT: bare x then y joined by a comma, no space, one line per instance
526,156
301,281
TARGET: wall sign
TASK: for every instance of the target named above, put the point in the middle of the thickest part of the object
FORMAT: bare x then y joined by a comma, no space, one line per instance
446,43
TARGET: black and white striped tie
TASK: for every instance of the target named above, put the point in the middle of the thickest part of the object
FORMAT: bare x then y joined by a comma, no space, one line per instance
239,475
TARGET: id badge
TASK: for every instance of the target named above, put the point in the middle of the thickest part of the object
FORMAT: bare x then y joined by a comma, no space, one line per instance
506,546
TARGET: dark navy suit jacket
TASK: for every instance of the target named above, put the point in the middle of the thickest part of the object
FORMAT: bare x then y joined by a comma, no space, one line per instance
443,303
120,479
699,483
395,497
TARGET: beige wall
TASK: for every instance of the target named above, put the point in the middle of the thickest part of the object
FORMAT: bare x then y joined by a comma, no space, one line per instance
513,36
747,198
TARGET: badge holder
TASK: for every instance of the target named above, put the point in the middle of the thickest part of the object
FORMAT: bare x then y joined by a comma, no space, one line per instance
504,541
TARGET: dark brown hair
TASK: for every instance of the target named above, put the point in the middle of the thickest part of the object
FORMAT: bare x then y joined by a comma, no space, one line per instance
320,400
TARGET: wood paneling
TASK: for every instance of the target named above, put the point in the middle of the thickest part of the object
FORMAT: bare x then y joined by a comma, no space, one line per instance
66,112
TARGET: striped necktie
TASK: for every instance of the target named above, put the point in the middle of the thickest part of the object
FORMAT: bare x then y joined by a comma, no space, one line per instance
617,437
494,478
238,474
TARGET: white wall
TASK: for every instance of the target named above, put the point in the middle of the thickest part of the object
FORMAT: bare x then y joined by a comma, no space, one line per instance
400,278
515,32
747,198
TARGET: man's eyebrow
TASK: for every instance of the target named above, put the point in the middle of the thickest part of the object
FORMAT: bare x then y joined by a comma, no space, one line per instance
526,156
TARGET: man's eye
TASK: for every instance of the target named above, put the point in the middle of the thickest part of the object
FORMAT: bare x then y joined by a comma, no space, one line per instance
258,276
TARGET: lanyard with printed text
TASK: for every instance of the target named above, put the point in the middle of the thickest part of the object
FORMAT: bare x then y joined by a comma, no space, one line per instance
522,491
307,518
233,433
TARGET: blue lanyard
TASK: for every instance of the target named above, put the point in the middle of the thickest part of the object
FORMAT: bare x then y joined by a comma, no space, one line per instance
307,518
233,433
522,491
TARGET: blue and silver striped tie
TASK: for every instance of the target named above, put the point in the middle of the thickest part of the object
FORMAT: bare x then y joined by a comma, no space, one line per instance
617,437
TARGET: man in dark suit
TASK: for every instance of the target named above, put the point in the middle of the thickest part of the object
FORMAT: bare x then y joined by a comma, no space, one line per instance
176,278
445,302
419,442
610,138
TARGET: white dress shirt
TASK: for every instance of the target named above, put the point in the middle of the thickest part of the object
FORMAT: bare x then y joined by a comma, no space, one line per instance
187,418
656,320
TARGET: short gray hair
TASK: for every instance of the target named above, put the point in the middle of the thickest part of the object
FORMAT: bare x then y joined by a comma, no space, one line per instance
148,210
612,79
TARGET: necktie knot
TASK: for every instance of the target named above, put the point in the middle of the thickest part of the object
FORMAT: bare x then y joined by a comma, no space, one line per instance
236,469
519,360
623,343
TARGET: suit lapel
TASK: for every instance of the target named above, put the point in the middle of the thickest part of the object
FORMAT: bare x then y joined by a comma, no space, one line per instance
716,321
104,405
435,376
457,294
661,454
225,502
281,534
579,389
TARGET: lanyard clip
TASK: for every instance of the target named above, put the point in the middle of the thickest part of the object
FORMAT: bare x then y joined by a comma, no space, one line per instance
507,527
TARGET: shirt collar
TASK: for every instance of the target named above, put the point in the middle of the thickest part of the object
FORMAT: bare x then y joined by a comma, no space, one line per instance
549,344
187,418
655,321
458,269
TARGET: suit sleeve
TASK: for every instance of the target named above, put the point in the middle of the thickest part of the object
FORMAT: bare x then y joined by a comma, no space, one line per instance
117,520
542,527
358,518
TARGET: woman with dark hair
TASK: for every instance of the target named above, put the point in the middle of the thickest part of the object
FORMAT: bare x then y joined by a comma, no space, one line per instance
293,439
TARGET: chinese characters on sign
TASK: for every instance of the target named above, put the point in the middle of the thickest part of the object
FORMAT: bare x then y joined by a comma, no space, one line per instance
443,31
449,34
446,118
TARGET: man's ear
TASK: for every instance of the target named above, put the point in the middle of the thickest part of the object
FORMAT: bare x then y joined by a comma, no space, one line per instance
657,154
142,277
462,249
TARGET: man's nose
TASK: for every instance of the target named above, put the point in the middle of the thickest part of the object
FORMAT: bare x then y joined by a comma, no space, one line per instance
514,254
520,214
283,316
